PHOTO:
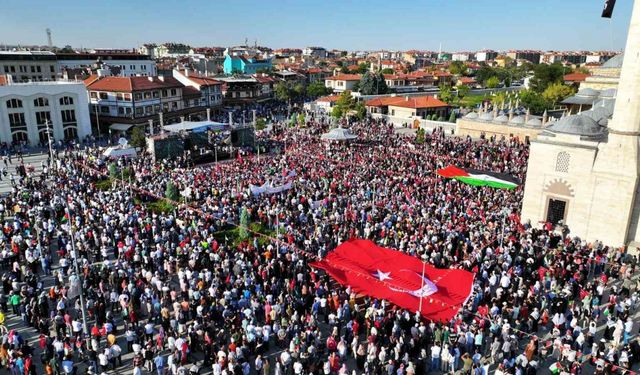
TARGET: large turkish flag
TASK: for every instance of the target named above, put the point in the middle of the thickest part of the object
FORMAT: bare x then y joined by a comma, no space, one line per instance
394,276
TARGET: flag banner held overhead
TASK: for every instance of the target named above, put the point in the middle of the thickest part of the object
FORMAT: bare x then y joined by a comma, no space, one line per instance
404,280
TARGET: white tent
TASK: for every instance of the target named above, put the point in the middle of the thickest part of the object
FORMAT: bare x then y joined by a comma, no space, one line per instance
339,134
119,151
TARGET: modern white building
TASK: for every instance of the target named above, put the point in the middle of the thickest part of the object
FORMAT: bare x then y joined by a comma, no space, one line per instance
27,108
25,66
318,52
120,64
342,82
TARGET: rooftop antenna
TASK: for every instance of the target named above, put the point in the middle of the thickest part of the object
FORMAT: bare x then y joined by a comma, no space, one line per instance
49,41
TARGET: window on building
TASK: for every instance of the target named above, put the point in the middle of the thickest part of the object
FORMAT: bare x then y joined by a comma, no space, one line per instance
94,95
41,102
174,92
16,120
147,95
127,97
132,67
66,100
127,110
164,93
156,94
43,117
137,96
6,68
39,69
52,69
562,162
121,111
165,107
143,67
156,108
13,69
119,96
148,109
14,103
70,133
33,69
104,109
103,95
139,111
69,115
174,106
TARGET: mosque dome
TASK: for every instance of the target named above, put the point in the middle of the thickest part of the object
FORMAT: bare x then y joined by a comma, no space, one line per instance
486,116
518,120
609,93
536,122
589,93
502,119
598,113
577,125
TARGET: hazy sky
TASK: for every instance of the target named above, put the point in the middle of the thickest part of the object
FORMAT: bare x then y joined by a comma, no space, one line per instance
343,24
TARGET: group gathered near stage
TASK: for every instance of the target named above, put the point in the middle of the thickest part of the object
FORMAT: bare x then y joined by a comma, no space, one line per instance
379,254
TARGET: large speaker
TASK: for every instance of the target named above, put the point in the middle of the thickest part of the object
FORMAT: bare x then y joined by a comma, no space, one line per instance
243,137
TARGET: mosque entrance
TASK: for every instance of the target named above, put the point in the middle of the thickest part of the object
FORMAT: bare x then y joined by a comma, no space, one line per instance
556,209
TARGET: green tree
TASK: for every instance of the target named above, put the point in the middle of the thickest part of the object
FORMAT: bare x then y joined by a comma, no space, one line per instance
344,70
113,171
544,75
463,90
317,89
344,104
445,93
387,71
452,117
492,82
363,68
557,92
299,89
420,136
361,111
171,192
484,73
301,119
458,68
138,138
533,101
372,84
283,91
261,123
243,233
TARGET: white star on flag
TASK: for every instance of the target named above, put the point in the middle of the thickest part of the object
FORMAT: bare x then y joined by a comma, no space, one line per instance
382,276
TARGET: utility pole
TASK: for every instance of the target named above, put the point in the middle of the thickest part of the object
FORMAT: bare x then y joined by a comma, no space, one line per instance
83,306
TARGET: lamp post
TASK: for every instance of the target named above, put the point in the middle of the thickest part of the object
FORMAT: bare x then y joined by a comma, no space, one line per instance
424,264
83,307
73,243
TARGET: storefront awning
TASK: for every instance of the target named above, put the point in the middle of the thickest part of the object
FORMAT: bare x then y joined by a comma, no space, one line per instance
120,127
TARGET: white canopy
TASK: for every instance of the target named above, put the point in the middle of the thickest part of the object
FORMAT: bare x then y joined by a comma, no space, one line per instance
119,151
195,126
339,134
120,127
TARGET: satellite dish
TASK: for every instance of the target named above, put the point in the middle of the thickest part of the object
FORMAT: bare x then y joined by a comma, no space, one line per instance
122,141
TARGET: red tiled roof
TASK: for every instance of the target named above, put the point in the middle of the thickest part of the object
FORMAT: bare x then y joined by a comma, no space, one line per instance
314,70
190,92
576,77
410,102
330,98
129,84
89,80
345,77
467,80
202,81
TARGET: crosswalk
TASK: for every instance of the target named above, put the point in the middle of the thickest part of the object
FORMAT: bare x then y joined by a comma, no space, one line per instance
35,161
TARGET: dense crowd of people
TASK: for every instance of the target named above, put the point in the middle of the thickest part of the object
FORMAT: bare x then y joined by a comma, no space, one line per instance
220,281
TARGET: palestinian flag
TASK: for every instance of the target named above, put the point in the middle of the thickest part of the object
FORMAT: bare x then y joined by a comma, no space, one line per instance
479,178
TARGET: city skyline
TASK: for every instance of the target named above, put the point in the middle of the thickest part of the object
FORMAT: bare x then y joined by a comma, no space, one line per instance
422,25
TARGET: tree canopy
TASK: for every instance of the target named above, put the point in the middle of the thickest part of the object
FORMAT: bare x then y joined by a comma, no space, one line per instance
445,93
372,84
347,103
492,82
286,91
544,75
138,138
317,89
458,67
557,92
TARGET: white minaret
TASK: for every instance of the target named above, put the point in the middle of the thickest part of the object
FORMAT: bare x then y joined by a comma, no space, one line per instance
616,170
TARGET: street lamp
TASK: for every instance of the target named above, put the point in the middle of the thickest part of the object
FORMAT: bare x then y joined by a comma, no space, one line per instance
73,243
